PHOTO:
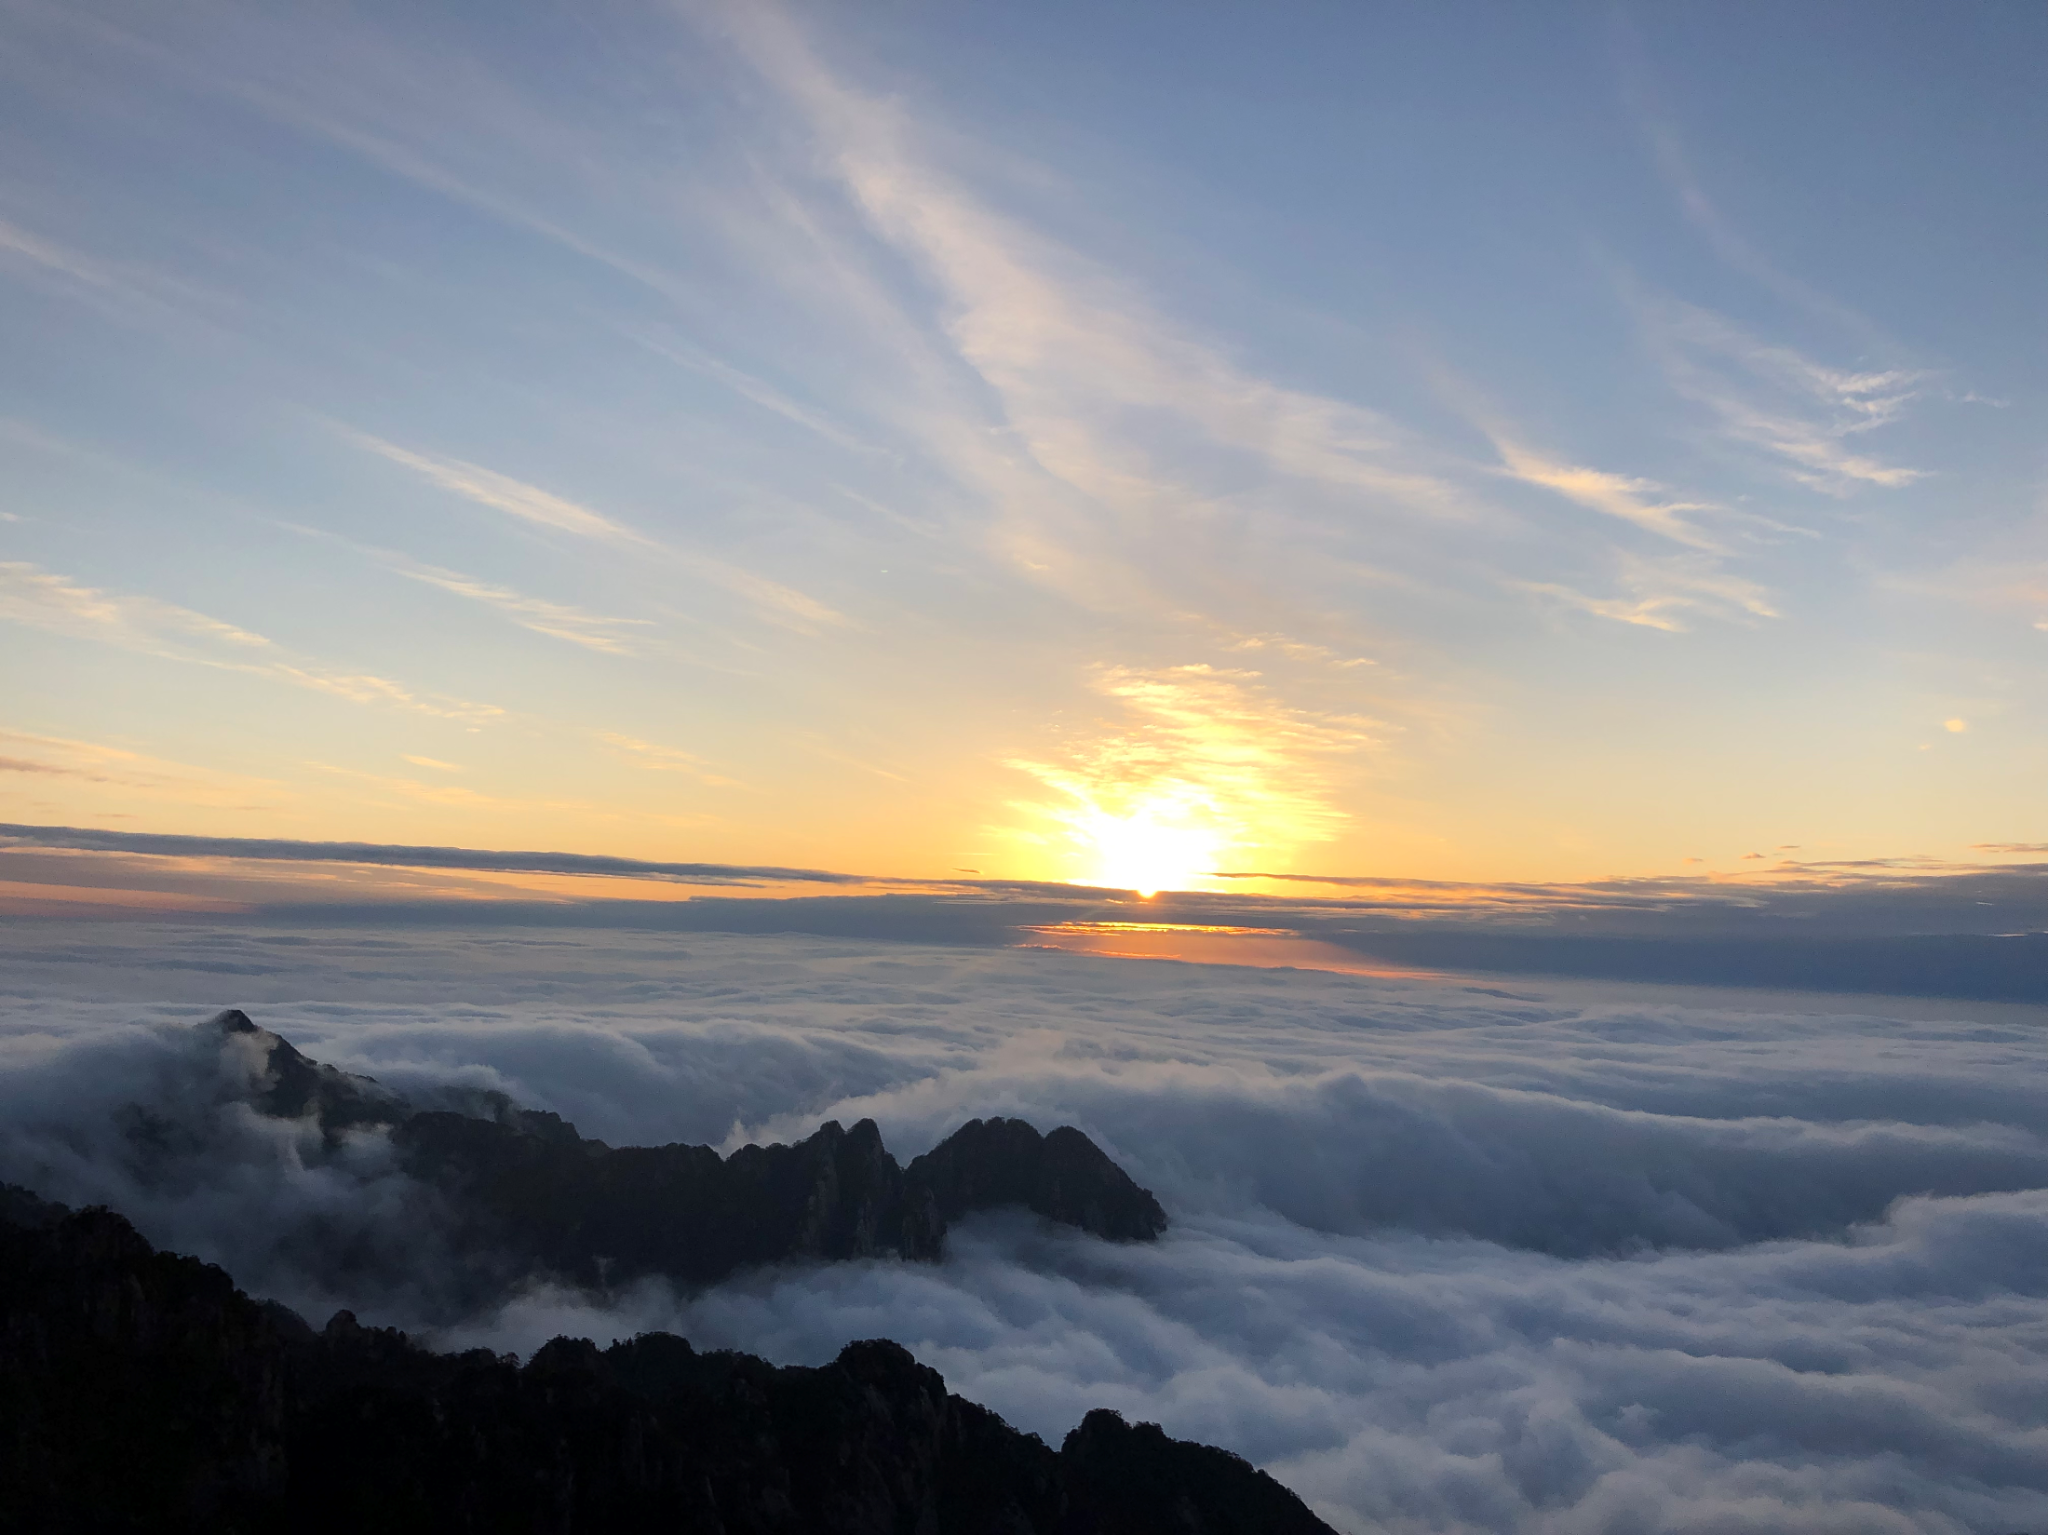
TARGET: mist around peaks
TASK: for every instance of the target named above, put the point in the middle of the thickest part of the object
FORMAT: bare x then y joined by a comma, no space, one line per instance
1439,1257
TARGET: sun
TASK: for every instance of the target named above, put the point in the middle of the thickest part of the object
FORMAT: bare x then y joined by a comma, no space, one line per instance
1157,847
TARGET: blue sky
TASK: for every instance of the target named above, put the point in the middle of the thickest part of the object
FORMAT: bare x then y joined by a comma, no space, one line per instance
1059,441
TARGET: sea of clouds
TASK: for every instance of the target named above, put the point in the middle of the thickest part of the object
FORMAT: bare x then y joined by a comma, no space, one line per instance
1446,1256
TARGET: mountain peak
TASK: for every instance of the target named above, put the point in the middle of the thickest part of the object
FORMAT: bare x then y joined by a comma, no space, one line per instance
1063,1176
232,1020
291,1085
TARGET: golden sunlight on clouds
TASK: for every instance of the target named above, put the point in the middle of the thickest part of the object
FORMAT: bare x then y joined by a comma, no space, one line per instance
1211,773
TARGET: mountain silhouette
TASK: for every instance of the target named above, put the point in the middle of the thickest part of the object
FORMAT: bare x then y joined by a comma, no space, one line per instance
524,1186
144,1393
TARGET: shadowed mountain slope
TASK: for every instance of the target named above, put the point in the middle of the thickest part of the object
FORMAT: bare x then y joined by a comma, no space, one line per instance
143,1393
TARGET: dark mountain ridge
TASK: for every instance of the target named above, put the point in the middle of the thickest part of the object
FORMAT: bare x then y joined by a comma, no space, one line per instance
524,1187
142,1392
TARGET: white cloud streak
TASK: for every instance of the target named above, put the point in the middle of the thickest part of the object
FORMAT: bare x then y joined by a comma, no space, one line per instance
131,772
1107,449
663,759
1730,244
1776,400
529,503
446,795
42,599
757,390
1663,593
542,508
557,620
1613,495
51,257
1084,374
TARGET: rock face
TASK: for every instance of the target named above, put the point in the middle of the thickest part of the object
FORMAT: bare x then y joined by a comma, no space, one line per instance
142,1392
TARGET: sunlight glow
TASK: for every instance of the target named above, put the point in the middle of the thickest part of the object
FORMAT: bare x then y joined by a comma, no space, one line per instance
1162,846
1205,771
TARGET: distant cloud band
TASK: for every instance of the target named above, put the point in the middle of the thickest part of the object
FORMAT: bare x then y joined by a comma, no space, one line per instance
167,845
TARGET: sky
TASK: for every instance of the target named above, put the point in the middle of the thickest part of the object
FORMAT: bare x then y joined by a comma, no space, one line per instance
1054,443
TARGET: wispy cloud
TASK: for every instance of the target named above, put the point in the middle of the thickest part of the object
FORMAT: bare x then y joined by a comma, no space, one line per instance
44,600
1658,590
57,604
1772,398
281,850
123,291
131,772
1640,89
1728,242
543,508
1298,650
1661,593
2014,579
663,759
48,256
824,749
557,620
1647,612
445,795
1104,406
749,387
24,765
1105,449
1614,495
500,492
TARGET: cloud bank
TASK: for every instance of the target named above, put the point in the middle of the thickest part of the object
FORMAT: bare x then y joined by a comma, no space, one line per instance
1904,927
1444,1257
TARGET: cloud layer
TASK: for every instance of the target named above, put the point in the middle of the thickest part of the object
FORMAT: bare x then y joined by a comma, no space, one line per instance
1444,1257
1905,927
